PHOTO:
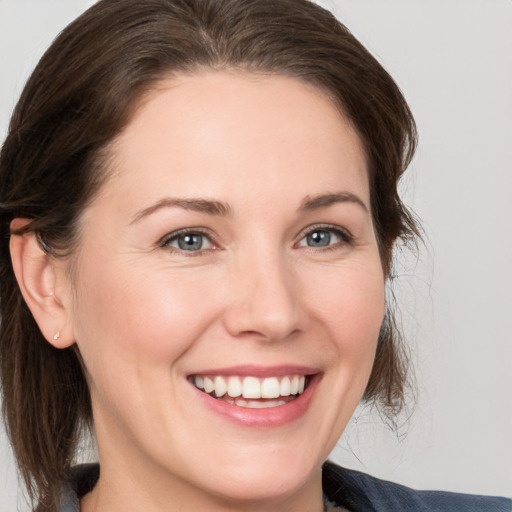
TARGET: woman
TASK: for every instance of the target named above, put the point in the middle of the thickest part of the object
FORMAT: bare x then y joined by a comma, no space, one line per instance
199,208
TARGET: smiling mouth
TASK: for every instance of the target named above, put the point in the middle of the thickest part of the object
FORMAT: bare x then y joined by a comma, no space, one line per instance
252,392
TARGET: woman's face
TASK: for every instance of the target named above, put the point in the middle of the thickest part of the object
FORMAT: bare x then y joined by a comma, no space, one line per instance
233,247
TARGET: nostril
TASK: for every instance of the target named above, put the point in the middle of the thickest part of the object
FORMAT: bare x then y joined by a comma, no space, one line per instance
258,325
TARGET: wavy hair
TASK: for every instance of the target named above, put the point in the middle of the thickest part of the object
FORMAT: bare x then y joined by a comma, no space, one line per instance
83,92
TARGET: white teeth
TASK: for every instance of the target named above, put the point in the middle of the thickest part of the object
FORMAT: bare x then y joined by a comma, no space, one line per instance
251,388
270,388
208,385
234,387
220,386
285,387
198,381
302,383
253,404
294,386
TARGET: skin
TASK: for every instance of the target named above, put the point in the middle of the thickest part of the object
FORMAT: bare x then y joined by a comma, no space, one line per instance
146,314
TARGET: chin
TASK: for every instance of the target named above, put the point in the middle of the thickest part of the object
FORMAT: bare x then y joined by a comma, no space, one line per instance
266,486
270,474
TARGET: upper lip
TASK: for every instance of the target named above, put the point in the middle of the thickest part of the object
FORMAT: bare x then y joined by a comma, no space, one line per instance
260,371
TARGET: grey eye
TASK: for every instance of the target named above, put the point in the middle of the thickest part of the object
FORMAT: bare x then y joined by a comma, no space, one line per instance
190,242
324,237
319,238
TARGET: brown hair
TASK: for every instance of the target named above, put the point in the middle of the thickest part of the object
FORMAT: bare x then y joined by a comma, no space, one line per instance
83,92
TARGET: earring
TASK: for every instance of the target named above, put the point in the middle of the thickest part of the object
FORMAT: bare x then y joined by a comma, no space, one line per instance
56,336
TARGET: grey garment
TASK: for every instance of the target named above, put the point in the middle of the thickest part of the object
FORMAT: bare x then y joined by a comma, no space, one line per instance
329,506
82,480
343,488
359,492
70,501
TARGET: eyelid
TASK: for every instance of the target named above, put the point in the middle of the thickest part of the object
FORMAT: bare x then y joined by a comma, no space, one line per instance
188,231
344,233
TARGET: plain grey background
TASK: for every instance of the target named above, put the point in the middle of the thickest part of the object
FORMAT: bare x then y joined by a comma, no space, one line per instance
453,60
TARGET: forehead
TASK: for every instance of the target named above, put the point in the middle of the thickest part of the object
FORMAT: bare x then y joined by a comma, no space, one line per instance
234,132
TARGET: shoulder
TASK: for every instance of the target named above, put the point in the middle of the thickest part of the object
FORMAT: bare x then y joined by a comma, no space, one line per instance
361,492
358,492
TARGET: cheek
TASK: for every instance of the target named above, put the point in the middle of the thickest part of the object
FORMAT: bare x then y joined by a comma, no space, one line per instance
352,303
137,315
351,307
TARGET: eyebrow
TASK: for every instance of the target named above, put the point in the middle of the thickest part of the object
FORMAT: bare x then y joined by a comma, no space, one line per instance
325,200
218,208
207,206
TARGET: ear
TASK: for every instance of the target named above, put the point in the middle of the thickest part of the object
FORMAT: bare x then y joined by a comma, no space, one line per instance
38,274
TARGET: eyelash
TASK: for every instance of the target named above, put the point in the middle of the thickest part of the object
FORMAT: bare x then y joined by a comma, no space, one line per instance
343,234
175,235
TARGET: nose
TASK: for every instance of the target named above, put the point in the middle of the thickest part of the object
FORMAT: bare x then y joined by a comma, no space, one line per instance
264,301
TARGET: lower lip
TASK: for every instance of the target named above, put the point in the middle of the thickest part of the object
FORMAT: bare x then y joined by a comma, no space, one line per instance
267,417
